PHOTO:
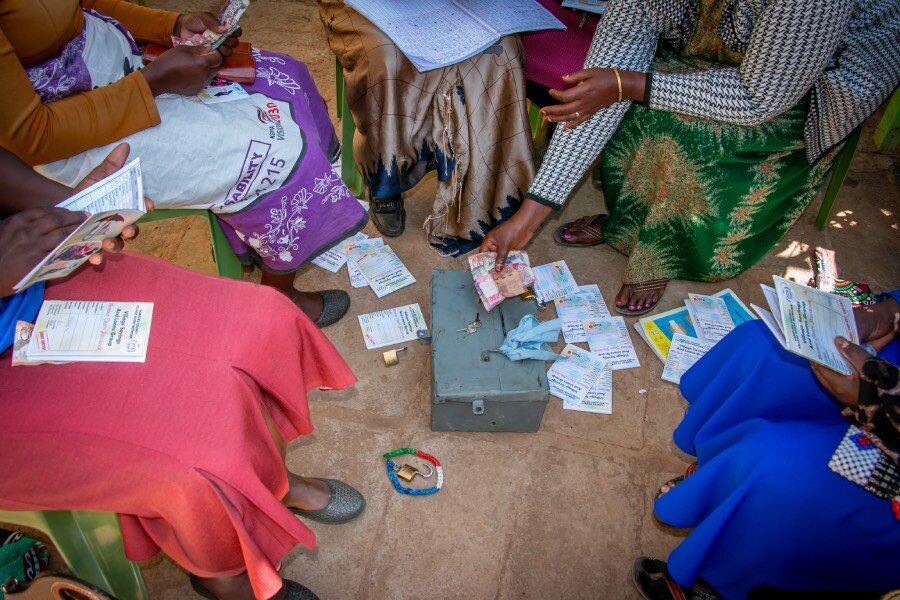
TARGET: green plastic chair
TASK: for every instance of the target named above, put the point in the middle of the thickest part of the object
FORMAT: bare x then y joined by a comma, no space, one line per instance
349,173
91,544
887,135
227,263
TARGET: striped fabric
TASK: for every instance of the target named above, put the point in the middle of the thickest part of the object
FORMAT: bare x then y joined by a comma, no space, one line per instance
846,53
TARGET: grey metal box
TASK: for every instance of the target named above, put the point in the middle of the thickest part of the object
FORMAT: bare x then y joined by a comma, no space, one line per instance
473,389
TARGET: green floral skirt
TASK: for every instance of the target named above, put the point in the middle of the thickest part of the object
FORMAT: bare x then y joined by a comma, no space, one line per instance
703,200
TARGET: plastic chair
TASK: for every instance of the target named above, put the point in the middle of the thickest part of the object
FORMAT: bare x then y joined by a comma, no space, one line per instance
91,544
349,173
887,136
227,263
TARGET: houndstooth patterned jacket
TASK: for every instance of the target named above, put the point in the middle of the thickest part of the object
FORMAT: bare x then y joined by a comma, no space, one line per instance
846,51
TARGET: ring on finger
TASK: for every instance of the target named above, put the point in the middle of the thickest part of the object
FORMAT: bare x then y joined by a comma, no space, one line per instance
577,115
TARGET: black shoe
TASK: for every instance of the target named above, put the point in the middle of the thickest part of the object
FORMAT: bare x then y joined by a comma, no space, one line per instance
388,215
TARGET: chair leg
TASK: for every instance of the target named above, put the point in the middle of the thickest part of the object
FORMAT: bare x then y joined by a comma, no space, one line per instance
349,173
339,89
91,544
887,132
838,174
227,263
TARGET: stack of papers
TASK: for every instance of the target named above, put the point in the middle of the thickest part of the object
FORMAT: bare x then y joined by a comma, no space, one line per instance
68,330
581,380
592,6
438,33
683,353
229,16
585,305
335,258
805,321
113,203
492,286
369,263
659,330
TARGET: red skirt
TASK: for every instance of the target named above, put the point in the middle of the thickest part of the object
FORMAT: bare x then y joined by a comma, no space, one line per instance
177,446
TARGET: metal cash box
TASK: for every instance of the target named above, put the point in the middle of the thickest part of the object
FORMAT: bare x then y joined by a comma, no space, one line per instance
474,389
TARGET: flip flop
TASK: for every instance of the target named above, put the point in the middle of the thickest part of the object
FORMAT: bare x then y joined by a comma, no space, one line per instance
651,578
589,224
649,286
675,481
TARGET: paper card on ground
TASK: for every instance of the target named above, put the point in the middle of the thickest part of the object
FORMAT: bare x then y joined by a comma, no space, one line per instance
216,94
573,375
91,331
113,203
811,319
492,286
710,316
354,248
599,397
609,339
334,258
553,280
683,353
383,270
585,305
391,326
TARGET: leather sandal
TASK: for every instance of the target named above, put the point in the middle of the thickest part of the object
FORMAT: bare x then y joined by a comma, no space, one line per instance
652,579
346,504
588,226
657,285
388,215
292,590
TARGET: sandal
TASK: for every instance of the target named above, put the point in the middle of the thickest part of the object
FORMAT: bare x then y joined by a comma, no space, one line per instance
653,581
649,286
345,504
675,481
589,226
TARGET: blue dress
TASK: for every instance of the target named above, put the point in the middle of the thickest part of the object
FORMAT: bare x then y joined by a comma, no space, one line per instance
764,506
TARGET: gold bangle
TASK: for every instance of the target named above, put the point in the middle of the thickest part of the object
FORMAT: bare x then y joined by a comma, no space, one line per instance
619,82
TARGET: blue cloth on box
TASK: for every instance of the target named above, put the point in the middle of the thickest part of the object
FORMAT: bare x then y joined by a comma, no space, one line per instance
529,339
22,306
764,506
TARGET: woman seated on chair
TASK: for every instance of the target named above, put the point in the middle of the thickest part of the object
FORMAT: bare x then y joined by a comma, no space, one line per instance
188,448
73,87
467,121
770,499
715,142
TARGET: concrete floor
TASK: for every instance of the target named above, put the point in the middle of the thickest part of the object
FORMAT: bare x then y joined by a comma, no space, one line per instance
559,513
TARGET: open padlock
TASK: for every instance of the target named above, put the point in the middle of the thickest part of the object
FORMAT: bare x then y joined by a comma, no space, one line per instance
390,357
408,472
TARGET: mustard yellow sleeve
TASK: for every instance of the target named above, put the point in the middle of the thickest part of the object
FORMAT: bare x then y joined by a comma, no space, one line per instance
145,24
39,133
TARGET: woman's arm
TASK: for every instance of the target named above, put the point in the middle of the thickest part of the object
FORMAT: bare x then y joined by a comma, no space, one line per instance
145,24
40,133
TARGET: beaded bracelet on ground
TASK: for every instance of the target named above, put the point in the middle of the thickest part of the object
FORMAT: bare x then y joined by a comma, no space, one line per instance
423,455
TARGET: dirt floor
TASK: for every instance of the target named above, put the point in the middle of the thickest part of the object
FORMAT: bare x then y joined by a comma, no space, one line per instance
559,513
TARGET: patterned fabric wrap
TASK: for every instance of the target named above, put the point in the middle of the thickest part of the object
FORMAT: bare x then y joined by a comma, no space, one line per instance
262,162
845,54
859,459
63,75
878,412
467,121
697,199
21,557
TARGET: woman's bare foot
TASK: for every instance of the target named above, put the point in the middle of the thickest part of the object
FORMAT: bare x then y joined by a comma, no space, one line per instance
638,298
306,493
